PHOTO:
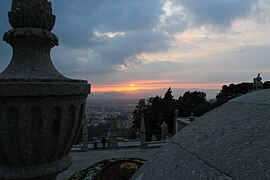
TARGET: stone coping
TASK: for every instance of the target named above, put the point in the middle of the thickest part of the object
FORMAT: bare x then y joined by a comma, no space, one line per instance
49,79
16,89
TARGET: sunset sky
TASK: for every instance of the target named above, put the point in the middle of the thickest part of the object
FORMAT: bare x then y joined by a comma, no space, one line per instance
124,45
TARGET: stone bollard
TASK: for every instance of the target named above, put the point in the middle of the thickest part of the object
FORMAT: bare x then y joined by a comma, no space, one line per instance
176,112
143,133
164,130
138,135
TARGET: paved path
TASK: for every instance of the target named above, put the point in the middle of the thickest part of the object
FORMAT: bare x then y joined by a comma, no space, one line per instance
81,160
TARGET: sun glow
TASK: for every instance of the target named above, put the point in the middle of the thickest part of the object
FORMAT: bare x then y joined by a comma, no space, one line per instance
150,85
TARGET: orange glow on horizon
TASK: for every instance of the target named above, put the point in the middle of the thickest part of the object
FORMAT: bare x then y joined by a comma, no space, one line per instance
148,85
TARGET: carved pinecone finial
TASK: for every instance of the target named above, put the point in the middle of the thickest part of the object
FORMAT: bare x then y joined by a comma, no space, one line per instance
31,13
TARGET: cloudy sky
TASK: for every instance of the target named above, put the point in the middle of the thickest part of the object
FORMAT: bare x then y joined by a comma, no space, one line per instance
146,44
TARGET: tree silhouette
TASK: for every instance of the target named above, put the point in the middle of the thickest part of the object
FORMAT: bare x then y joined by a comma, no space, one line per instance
139,110
157,109
167,111
190,101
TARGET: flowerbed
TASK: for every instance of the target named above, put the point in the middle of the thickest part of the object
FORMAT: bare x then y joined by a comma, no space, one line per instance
112,169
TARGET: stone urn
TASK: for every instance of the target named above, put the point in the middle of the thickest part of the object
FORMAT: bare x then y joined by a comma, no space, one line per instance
40,109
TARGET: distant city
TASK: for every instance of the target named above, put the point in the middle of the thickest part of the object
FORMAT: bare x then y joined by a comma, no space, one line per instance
109,110
103,112
139,94
104,108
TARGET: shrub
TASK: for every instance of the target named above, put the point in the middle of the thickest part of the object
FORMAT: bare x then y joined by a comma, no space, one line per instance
128,169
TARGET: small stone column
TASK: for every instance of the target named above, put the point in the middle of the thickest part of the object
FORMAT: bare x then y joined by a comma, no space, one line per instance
138,135
176,112
143,133
164,130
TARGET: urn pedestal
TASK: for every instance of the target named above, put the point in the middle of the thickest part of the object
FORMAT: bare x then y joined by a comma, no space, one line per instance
41,110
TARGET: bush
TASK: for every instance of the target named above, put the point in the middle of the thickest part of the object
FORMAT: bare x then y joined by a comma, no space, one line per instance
117,168
128,169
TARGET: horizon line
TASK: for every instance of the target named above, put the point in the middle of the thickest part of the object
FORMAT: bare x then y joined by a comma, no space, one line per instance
134,88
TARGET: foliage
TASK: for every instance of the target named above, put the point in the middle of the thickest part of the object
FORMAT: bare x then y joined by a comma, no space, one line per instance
157,109
266,85
95,171
138,112
128,169
234,90
94,131
189,101
98,131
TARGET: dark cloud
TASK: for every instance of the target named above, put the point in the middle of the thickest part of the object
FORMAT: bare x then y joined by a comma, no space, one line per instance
76,28
86,50
106,58
78,20
155,70
135,42
218,13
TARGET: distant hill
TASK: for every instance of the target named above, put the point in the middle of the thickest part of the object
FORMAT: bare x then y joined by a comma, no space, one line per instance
211,93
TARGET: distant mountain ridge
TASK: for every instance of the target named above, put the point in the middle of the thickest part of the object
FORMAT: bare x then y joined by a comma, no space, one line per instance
139,94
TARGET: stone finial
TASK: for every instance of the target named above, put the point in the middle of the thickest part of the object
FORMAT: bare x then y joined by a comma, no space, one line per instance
142,127
143,132
164,130
31,13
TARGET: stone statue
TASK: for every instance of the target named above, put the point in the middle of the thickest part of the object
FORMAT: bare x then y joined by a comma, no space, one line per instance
257,82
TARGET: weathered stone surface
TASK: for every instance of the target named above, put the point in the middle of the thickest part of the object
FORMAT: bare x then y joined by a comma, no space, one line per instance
230,142
31,13
31,58
33,33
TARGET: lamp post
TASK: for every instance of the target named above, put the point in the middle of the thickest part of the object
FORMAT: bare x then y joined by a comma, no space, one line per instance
40,109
